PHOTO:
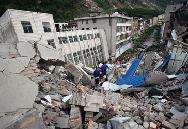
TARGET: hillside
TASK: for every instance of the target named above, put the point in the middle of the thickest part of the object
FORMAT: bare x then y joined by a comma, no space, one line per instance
64,10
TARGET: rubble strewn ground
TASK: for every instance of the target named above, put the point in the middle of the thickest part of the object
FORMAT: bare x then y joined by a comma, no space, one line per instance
52,94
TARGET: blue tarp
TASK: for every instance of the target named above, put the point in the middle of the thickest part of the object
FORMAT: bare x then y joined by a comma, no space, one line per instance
129,78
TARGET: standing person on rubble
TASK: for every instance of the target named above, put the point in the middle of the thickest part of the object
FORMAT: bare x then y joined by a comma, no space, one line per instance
104,68
96,75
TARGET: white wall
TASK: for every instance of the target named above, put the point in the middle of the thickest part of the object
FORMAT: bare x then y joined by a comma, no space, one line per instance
36,20
75,47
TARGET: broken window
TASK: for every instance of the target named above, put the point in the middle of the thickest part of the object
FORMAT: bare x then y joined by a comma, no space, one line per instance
51,42
46,26
27,27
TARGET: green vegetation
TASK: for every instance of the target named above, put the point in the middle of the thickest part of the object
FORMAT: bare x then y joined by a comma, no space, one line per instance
142,38
154,47
104,4
62,10
139,12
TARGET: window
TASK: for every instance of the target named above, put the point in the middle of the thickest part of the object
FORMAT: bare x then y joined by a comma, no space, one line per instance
27,27
46,26
91,36
98,36
81,38
57,27
95,28
94,20
75,38
87,28
51,42
88,36
82,21
82,28
84,37
63,40
69,56
86,21
71,39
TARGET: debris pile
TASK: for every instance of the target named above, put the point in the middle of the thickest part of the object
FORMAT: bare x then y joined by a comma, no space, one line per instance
41,93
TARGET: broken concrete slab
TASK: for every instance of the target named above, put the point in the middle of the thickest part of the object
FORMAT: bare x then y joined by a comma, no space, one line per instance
16,91
93,103
8,50
73,70
156,77
14,65
47,52
86,79
26,49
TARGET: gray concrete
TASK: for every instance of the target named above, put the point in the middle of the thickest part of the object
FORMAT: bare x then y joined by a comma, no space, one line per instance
185,89
156,77
47,52
70,67
15,65
86,79
16,92
26,49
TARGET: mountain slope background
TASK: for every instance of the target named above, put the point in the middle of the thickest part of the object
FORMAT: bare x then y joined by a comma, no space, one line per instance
65,10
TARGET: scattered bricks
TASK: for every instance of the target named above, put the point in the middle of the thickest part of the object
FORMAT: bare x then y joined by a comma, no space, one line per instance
158,107
50,117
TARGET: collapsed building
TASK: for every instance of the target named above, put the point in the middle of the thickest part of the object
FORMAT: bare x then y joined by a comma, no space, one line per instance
40,89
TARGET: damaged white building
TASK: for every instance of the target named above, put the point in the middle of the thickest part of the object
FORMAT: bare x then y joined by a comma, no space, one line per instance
22,29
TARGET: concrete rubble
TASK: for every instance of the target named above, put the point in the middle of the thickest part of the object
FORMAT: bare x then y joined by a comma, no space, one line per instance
38,91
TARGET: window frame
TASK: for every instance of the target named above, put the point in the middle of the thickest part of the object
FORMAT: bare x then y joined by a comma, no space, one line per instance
27,27
46,27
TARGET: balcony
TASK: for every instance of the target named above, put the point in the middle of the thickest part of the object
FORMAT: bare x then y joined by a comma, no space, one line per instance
124,24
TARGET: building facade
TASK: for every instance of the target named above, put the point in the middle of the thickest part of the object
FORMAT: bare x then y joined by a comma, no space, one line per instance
84,46
118,29
26,27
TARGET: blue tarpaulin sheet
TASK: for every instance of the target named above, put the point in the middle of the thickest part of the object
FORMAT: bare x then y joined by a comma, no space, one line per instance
129,78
